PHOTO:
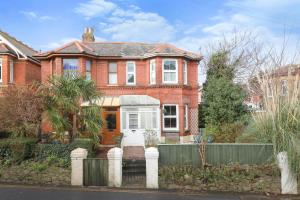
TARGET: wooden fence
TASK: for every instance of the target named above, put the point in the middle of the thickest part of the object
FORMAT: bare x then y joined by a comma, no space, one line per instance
95,172
216,154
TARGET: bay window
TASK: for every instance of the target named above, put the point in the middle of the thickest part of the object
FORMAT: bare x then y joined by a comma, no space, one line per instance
170,117
71,67
112,73
185,72
140,118
130,73
152,72
170,71
88,68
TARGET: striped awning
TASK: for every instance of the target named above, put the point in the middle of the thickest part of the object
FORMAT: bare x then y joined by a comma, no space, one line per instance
106,101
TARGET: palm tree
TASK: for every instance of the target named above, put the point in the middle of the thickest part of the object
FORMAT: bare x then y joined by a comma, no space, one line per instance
62,99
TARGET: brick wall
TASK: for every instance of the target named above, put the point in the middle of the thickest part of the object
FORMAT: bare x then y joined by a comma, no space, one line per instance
167,94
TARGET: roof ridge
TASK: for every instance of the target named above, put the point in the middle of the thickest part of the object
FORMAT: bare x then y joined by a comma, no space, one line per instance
79,47
19,41
85,46
109,42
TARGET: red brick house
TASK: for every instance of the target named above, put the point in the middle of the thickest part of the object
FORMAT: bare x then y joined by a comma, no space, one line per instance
17,64
145,86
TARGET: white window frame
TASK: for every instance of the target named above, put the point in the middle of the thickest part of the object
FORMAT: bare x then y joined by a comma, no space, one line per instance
11,71
186,116
128,73
152,72
177,118
128,120
109,83
1,71
185,72
176,71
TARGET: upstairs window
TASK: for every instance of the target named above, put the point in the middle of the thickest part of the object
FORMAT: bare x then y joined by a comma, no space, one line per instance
170,117
130,73
170,71
112,73
0,70
11,71
152,72
70,67
185,72
88,69
284,87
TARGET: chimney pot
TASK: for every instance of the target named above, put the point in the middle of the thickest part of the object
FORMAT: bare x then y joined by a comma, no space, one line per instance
88,35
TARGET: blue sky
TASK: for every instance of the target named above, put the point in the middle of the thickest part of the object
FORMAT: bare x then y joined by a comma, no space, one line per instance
189,24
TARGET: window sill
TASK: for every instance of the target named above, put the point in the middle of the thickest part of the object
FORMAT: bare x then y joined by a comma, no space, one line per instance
112,85
171,131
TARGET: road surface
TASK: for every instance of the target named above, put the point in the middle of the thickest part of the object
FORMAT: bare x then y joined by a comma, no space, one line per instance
56,193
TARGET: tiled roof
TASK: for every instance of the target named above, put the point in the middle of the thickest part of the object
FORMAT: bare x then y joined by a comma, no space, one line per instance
121,49
28,51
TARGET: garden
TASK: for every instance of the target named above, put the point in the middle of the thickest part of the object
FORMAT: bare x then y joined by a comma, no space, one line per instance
28,156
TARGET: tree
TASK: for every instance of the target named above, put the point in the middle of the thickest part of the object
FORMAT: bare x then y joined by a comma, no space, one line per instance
20,111
62,99
223,99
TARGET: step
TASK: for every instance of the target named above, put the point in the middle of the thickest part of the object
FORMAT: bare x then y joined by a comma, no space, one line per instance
133,153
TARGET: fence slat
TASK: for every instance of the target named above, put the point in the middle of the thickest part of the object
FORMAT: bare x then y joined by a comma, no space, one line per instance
216,154
95,172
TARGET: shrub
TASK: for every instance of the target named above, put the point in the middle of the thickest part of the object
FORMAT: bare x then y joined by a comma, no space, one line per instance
61,152
17,149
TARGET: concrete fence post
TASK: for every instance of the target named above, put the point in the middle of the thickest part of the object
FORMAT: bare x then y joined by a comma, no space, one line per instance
114,156
77,156
151,155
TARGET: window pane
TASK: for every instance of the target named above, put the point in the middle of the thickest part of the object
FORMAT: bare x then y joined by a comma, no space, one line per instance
166,65
130,78
11,71
88,66
173,110
170,76
173,122
154,120
113,67
88,76
113,79
172,65
133,121
167,123
111,121
70,67
130,67
167,110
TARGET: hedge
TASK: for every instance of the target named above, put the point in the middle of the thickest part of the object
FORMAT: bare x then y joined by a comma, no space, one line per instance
63,151
18,149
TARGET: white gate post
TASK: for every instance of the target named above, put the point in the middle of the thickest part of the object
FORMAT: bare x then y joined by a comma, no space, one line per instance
114,156
151,155
288,178
77,156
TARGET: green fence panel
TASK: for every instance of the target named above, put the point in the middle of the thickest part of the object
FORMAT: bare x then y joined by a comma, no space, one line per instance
95,172
216,154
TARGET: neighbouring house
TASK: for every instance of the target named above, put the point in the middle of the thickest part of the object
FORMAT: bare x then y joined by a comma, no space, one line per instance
17,64
145,87
280,82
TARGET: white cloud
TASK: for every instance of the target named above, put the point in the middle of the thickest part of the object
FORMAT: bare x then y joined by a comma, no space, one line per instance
57,44
127,24
34,16
95,8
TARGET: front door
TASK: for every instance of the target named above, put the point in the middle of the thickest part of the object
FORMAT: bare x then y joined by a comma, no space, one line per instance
111,125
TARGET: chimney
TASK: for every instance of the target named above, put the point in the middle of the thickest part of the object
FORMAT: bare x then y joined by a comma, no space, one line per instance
88,35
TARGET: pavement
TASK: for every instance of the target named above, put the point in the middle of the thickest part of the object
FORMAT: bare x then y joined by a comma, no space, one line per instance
12,192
